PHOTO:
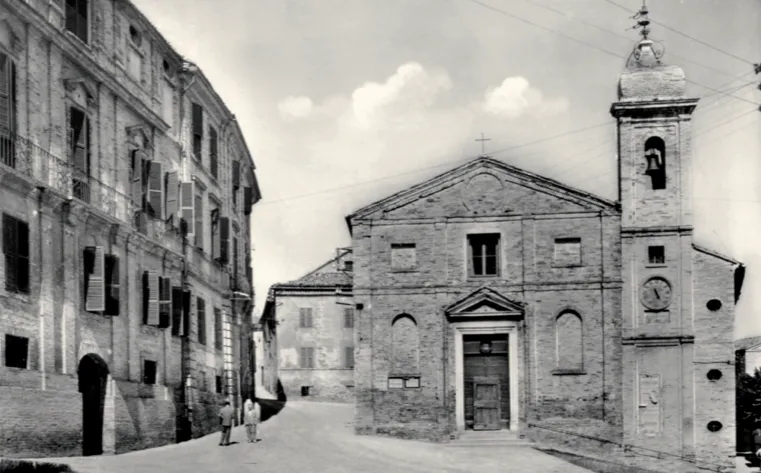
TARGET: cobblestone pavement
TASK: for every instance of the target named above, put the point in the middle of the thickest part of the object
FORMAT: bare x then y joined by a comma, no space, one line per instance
317,437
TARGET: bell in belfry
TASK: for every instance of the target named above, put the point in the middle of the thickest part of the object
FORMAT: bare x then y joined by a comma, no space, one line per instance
654,161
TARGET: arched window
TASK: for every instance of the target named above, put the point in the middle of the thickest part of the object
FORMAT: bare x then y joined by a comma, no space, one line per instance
569,341
405,358
655,157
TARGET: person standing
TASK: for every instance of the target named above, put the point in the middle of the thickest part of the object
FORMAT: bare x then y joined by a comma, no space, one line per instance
226,415
251,419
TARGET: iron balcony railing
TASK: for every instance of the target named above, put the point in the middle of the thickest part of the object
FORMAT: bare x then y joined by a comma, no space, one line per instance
29,159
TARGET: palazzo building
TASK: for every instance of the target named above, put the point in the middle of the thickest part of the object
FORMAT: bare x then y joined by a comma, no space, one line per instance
125,191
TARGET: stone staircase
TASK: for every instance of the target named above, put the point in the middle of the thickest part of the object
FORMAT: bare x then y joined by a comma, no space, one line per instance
490,438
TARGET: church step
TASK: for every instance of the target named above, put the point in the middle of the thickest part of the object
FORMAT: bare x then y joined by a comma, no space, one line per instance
491,443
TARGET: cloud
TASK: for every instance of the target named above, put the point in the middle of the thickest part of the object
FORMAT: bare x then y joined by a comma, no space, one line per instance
515,97
292,108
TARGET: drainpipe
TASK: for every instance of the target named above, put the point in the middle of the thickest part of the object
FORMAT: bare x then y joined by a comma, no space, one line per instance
41,308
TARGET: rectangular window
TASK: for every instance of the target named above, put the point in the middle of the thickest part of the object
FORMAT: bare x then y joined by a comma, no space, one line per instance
213,144
201,313
197,126
16,250
177,312
94,279
112,285
484,254
199,221
165,302
305,391
16,351
218,379
348,318
7,111
149,372
656,255
305,317
80,153
135,63
77,19
167,102
395,383
412,383
349,357
217,329
403,256
202,380
567,252
307,358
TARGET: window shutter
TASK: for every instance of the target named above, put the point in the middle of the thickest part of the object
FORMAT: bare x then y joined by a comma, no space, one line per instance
138,158
235,260
213,152
6,103
172,191
156,190
186,301
95,279
151,297
197,119
165,302
177,310
201,314
217,329
248,199
187,209
199,220
112,285
9,249
236,173
216,242
224,240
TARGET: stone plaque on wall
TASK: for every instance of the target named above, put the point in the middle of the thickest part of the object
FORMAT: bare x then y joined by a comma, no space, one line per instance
657,317
403,256
649,405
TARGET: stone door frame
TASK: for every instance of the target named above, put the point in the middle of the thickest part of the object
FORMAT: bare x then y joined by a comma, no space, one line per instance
505,327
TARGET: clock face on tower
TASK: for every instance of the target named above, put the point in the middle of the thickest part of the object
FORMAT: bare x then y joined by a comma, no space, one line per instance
656,293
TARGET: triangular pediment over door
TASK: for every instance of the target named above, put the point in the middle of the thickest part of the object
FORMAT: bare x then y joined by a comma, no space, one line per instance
485,303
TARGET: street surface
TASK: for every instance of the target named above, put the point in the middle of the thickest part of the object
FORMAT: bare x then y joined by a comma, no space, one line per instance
318,437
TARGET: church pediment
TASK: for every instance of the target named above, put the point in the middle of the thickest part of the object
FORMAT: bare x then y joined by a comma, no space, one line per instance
80,91
484,187
484,302
139,136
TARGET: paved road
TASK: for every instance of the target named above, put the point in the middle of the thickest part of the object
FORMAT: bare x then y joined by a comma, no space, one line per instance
317,437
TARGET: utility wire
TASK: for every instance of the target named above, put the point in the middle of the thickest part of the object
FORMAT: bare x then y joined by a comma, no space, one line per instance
684,34
588,23
551,30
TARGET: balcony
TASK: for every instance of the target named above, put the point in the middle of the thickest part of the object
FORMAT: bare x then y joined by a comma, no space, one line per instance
59,175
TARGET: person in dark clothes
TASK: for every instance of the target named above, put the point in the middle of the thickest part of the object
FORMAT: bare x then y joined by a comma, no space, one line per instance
226,415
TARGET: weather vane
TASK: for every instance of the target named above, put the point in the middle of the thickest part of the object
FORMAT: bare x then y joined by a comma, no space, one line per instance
642,20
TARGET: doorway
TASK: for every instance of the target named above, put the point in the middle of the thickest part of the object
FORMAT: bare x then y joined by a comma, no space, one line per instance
93,376
486,373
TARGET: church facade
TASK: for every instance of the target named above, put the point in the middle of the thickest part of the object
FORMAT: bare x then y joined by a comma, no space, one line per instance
491,298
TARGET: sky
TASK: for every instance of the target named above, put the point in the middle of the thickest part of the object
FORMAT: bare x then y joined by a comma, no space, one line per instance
345,102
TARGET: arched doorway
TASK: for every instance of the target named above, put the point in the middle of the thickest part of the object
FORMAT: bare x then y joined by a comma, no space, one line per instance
93,375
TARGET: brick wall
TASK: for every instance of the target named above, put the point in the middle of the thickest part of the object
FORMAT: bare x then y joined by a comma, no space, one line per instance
438,226
54,72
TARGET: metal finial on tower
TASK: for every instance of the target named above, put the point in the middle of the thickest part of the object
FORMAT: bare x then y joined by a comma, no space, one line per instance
642,20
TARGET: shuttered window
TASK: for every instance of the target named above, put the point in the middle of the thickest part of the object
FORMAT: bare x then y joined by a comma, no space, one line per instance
307,358
16,250
113,286
77,19
95,290
197,126
187,209
217,329
172,193
199,220
155,197
349,318
139,158
165,302
213,147
201,314
248,200
186,302
151,298
305,317
177,312
7,94
349,357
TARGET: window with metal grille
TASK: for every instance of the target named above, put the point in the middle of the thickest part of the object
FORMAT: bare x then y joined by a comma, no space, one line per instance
16,250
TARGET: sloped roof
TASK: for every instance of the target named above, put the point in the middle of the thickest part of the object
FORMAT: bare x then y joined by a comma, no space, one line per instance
748,342
318,278
548,185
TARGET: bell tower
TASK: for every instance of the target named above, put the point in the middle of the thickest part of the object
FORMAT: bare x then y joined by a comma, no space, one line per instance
655,190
